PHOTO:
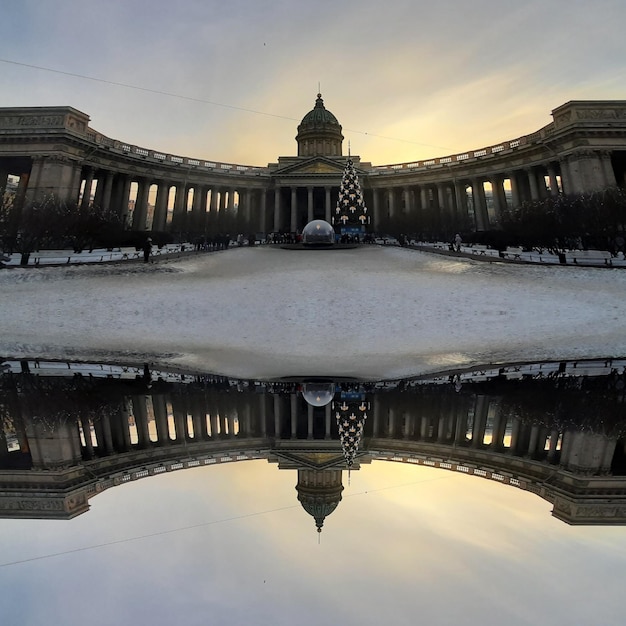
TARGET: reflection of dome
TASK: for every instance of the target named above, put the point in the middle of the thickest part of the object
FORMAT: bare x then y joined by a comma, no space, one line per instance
319,492
319,133
318,394
318,232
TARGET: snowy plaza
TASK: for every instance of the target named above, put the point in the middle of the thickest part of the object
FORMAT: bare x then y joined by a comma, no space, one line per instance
372,312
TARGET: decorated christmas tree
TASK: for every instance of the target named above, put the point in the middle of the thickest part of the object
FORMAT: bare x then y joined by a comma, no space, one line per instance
351,211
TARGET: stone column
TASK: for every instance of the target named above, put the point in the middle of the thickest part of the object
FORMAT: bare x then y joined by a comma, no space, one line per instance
294,210
532,180
567,183
247,208
73,190
263,214
211,217
406,192
141,205
231,200
86,199
20,195
480,206
201,217
515,196
586,171
309,204
424,199
277,209
99,193
107,191
375,210
460,194
499,199
554,185
180,207
607,169
327,205
124,200
441,198
160,209
390,193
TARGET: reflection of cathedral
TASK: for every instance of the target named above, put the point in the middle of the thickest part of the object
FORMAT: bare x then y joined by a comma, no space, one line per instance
64,440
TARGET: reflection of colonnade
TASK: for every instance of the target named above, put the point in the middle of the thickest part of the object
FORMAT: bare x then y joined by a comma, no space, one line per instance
53,151
147,434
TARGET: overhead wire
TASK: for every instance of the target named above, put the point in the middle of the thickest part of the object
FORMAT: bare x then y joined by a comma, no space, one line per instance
200,100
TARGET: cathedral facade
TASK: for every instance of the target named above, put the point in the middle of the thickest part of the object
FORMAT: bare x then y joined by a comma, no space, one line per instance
53,151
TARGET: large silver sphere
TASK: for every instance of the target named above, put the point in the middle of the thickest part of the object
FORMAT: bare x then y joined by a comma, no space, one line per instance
318,232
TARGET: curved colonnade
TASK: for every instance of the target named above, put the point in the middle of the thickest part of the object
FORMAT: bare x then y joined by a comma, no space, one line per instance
54,151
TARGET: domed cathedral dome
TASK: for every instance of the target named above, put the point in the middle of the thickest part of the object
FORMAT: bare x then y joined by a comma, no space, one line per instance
319,133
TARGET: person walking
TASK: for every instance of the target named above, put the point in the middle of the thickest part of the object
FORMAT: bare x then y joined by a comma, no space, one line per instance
147,249
457,242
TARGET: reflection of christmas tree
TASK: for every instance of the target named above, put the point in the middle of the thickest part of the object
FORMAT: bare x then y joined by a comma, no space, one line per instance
351,209
351,418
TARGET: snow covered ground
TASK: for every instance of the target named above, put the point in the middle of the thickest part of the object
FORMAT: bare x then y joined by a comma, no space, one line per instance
373,312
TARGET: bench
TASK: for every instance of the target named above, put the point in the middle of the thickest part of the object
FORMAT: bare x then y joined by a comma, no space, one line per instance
589,257
513,253
480,250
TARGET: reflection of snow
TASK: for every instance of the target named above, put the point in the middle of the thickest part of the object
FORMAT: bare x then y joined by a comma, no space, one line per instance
379,312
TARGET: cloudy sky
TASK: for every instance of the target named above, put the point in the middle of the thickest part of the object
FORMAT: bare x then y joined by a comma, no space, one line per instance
407,79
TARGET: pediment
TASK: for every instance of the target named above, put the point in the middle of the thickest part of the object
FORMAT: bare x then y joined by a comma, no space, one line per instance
314,165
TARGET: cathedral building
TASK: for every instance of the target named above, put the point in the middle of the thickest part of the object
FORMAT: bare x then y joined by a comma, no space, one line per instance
54,151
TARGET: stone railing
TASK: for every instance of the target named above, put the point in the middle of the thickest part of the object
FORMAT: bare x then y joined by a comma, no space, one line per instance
170,159
482,153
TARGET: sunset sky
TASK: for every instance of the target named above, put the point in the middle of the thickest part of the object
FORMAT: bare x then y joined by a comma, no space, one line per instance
230,81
